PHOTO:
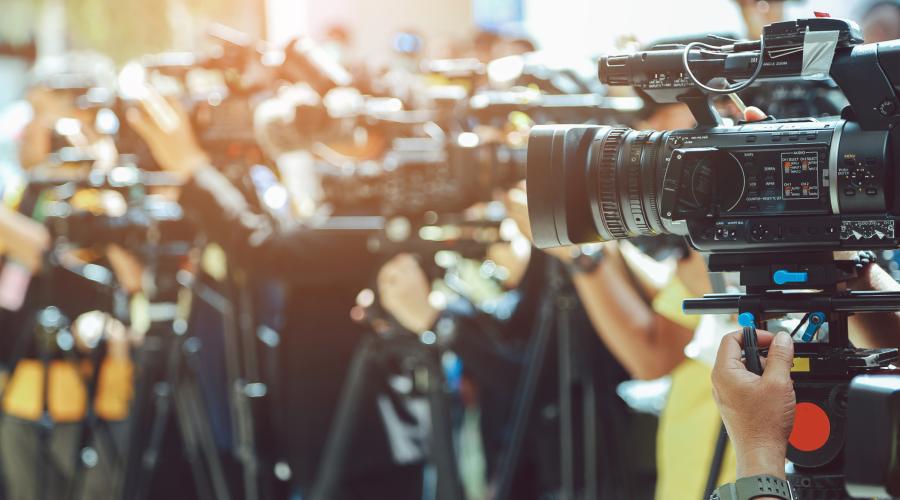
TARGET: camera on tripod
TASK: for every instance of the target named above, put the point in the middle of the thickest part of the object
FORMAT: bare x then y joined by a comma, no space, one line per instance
149,224
771,199
419,175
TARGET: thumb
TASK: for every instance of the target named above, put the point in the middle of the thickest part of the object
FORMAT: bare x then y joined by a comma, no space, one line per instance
780,358
754,114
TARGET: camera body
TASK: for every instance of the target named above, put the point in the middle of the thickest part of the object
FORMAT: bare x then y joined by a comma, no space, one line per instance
779,186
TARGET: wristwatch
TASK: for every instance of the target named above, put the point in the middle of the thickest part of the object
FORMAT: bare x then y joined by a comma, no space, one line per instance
748,488
585,259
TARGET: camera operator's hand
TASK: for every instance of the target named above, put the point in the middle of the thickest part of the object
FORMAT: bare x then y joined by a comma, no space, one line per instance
754,114
758,411
50,105
174,147
90,327
403,289
127,267
23,238
517,209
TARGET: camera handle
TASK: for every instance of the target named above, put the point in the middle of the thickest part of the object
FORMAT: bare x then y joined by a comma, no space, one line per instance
701,106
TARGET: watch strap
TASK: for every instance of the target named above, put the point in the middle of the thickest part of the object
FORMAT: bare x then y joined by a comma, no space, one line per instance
748,488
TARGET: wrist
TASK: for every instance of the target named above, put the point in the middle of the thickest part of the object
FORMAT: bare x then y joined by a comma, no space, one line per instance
767,459
194,162
425,321
117,349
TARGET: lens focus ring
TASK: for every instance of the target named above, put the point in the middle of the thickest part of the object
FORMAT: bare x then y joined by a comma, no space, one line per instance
606,183
651,149
635,185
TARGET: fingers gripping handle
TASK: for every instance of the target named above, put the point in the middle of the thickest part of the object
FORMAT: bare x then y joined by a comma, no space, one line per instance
751,350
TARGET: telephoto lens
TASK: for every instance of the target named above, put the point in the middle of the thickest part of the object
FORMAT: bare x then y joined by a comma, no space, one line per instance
592,183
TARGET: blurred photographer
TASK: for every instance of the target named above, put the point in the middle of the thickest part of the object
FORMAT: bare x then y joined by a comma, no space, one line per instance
45,400
491,342
22,239
881,21
66,94
634,304
32,394
325,269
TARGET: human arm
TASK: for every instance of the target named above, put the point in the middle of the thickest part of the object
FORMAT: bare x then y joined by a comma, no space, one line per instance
617,303
403,289
22,238
648,344
253,239
874,330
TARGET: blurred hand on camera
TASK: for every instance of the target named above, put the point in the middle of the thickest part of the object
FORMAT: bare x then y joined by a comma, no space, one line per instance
403,290
172,143
516,203
50,106
758,411
23,239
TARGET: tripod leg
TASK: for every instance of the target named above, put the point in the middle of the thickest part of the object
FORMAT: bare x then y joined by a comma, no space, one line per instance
338,444
525,392
715,468
86,426
449,486
142,446
148,457
589,435
241,343
246,430
194,428
566,432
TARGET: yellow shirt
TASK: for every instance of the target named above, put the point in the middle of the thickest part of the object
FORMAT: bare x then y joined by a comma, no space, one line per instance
686,439
67,392
689,424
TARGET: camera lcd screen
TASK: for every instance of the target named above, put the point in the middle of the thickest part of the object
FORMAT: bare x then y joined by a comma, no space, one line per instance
783,180
800,174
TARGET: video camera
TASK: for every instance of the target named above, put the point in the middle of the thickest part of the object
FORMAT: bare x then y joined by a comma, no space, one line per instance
148,224
771,199
827,182
410,182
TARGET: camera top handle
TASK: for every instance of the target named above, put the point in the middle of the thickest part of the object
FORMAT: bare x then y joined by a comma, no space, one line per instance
812,48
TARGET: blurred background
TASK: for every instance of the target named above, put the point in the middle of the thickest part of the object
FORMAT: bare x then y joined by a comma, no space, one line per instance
360,30
128,28
445,89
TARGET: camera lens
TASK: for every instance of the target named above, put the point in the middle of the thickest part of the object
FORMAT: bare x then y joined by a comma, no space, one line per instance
589,183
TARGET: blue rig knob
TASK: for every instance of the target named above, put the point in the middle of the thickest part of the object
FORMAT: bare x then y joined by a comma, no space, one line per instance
783,277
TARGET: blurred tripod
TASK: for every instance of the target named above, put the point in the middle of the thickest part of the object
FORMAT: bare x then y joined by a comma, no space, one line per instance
423,360
575,376
167,388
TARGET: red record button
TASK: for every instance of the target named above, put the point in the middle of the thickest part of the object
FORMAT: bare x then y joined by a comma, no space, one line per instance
811,427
